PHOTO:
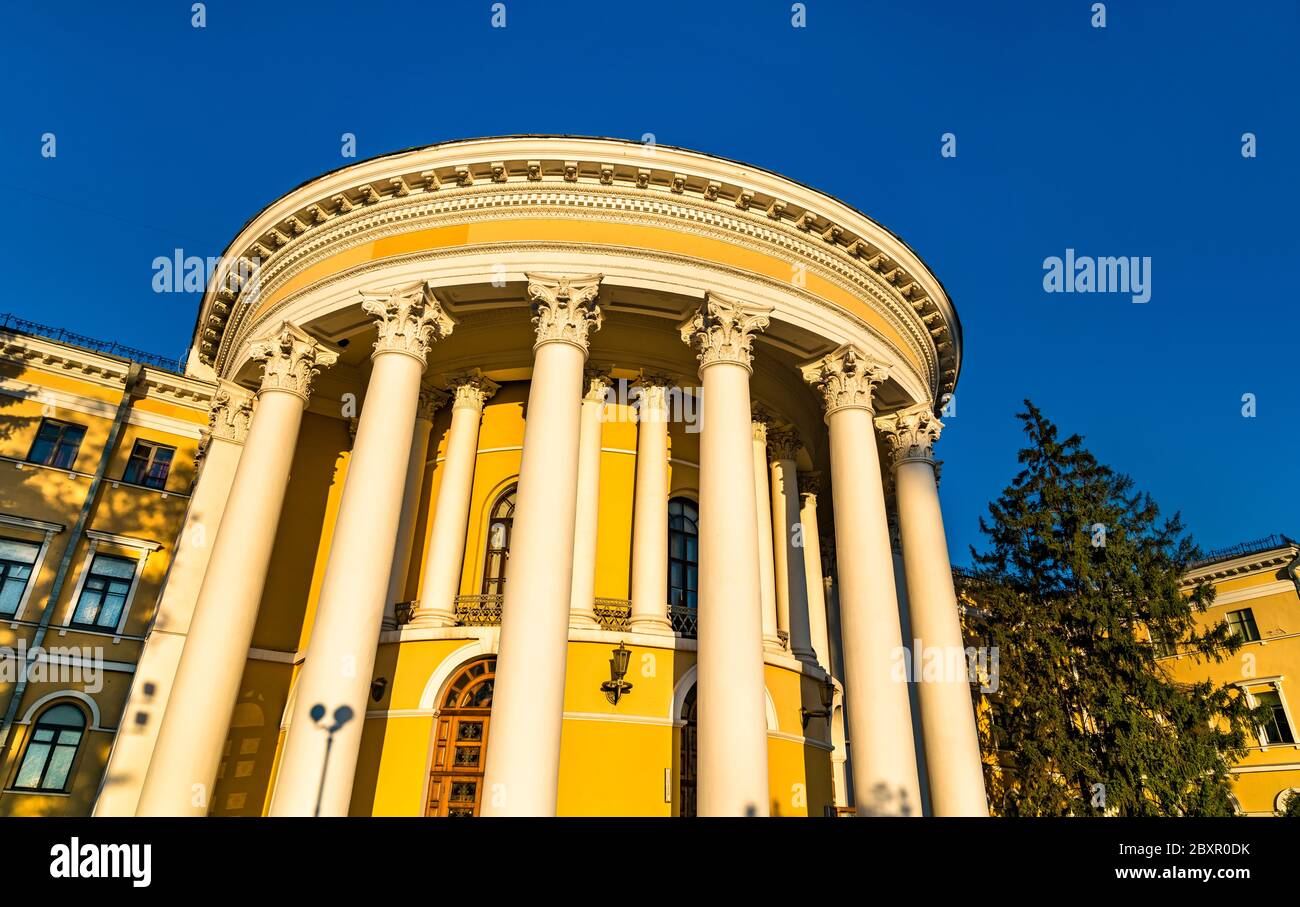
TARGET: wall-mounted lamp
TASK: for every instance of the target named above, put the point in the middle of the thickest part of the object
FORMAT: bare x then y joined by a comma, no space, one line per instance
616,686
827,692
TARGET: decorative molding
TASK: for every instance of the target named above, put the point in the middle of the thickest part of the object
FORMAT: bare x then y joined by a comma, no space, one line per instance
596,383
291,359
230,415
471,389
564,308
859,245
847,379
723,330
408,319
810,483
783,444
431,400
910,434
652,396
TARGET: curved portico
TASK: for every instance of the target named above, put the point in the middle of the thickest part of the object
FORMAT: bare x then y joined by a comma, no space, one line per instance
537,277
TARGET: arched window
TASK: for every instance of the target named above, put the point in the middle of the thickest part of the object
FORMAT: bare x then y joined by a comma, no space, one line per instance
460,741
498,543
683,552
51,749
689,757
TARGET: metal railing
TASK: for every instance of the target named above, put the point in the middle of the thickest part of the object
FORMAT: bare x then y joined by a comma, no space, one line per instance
478,610
613,614
23,326
1241,550
684,620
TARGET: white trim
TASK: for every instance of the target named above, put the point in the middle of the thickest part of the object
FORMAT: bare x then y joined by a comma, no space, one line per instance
687,680
446,668
102,409
66,694
656,720
22,522
273,655
34,576
1280,587
1276,684
1252,769
82,573
123,541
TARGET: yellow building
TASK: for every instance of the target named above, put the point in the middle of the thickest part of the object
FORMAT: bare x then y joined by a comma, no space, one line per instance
542,475
1257,593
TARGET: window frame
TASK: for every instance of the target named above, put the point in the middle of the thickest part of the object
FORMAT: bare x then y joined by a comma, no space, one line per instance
58,444
494,582
143,480
686,563
53,746
1239,627
1280,719
32,573
125,548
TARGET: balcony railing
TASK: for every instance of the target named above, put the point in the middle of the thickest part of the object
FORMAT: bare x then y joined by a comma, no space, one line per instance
23,326
613,614
478,610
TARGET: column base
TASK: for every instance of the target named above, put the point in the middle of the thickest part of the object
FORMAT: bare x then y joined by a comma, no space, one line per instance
583,620
655,625
806,655
774,644
425,619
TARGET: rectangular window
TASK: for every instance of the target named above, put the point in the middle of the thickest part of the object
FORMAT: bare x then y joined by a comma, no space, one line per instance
56,444
1276,728
1242,623
149,465
103,595
16,562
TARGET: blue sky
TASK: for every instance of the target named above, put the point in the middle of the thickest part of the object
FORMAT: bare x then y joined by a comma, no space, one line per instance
1122,141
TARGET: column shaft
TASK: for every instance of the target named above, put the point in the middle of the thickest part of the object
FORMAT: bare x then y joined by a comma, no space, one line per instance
450,522
885,777
320,750
732,778
788,539
582,598
816,594
650,511
772,627
521,776
412,487
155,675
193,731
951,737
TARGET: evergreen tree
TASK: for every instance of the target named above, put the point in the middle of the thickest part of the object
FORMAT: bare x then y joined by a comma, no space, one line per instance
1079,576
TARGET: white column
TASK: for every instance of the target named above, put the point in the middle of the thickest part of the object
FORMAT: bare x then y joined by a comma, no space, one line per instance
193,731
809,487
521,777
582,598
760,421
228,421
446,553
885,778
732,775
951,737
788,538
431,400
650,509
320,750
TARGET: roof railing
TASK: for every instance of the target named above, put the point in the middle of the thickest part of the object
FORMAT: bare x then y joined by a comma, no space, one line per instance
23,326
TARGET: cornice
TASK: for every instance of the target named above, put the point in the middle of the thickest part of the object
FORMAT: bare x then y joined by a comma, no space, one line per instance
1257,562
57,358
462,181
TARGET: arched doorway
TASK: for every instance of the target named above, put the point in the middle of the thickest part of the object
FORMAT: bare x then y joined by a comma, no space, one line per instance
689,758
460,741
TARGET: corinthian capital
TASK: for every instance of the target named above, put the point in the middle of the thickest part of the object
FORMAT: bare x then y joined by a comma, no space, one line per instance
408,319
652,397
564,308
431,400
783,444
723,330
910,433
847,378
230,414
471,389
291,359
596,383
